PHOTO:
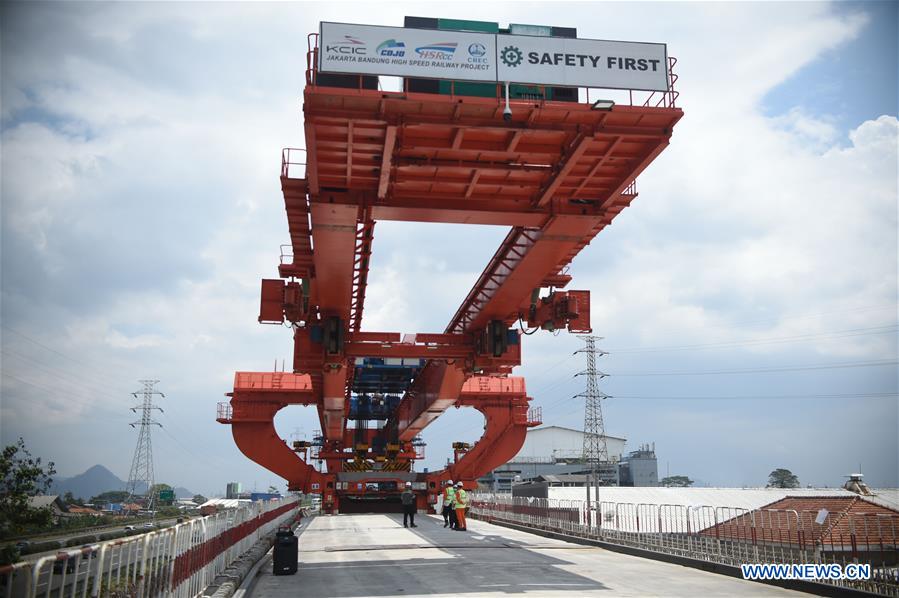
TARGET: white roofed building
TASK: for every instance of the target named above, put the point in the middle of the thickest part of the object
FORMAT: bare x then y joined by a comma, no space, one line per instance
547,450
558,444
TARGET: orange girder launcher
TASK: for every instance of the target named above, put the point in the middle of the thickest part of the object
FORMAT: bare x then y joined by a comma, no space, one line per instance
554,172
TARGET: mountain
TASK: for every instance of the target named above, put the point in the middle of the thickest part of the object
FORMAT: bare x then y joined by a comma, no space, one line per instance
92,482
97,480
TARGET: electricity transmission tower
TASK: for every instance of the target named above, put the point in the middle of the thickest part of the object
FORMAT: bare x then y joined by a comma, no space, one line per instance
596,453
142,464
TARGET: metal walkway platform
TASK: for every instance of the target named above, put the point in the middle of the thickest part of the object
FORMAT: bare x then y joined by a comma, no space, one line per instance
373,555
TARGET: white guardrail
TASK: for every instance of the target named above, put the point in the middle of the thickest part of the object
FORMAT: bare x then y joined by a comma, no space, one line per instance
725,535
177,562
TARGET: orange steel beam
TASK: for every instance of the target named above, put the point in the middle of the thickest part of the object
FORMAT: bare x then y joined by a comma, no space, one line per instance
334,234
568,163
504,404
257,397
436,389
386,160
311,162
451,208
297,207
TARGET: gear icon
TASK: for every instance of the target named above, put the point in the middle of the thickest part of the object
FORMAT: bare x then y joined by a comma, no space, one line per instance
511,56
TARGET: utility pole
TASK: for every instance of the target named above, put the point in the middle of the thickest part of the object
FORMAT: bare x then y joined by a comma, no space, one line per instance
142,464
595,450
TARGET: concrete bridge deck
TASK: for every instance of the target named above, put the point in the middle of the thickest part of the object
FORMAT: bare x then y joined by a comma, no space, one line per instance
373,555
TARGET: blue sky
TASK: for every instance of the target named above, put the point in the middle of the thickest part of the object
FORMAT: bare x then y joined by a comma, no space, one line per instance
141,206
852,83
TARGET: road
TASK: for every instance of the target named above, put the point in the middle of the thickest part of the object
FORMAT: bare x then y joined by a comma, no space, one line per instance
95,532
373,555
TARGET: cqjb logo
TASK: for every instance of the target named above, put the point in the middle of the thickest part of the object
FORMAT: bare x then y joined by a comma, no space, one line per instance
438,51
391,47
350,45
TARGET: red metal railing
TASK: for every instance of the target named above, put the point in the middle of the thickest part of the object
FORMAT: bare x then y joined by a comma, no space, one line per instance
223,413
289,164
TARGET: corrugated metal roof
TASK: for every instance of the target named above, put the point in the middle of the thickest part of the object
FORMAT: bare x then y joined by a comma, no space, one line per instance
886,497
544,428
745,498
226,503
45,500
842,518
682,510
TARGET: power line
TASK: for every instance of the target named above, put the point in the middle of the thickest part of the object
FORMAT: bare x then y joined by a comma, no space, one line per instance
868,395
72,378
104,370
796,368
851,332
876,395
801,316
54,391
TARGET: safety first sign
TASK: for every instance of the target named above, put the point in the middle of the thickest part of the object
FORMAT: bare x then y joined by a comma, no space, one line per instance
468,56
582,62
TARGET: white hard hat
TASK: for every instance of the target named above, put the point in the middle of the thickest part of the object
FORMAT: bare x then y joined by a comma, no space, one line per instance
449,482
459,484
408,484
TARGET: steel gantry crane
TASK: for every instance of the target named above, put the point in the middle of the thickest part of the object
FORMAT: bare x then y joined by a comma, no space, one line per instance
555,173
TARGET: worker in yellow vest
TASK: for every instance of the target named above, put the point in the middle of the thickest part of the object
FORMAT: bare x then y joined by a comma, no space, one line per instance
461,505
449,505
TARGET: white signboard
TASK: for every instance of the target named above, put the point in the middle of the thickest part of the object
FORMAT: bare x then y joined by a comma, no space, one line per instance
582,62
426,53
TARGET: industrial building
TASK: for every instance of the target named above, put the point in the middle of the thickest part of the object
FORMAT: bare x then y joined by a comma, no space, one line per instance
558,451
233,490
639,468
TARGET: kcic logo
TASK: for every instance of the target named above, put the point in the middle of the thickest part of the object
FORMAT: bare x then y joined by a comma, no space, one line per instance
350,45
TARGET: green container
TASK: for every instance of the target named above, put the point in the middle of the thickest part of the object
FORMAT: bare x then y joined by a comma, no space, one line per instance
463,25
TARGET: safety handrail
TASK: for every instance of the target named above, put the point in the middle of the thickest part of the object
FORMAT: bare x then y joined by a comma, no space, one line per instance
721,534
287,162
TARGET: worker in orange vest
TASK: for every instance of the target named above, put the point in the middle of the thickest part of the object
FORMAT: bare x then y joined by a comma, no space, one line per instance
461,505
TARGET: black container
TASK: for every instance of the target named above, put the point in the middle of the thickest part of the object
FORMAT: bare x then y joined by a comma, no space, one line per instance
285,557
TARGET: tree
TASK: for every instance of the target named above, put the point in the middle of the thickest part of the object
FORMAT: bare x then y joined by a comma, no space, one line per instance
21,477
70,499
782,478
200,499
111,496
155,491
676,481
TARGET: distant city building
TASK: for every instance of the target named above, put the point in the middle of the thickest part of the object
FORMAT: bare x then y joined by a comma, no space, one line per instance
232,490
